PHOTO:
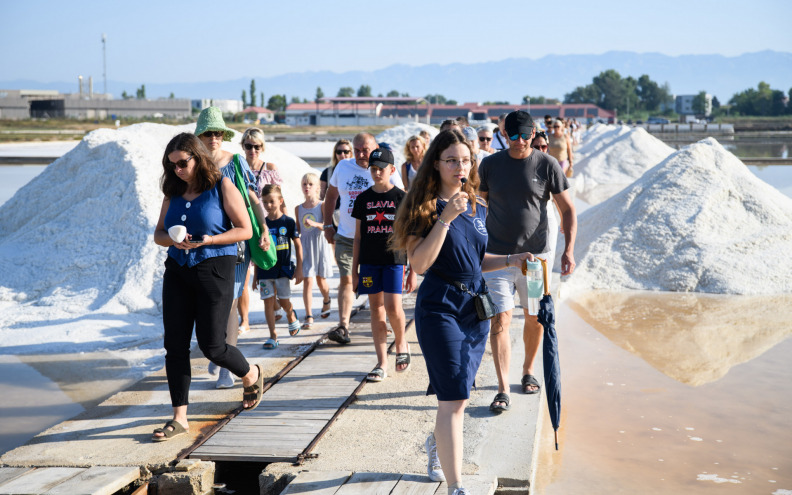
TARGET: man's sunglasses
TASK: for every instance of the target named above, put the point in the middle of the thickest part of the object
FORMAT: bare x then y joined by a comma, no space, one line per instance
525,137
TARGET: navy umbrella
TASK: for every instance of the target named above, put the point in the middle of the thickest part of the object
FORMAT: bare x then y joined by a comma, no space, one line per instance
552,365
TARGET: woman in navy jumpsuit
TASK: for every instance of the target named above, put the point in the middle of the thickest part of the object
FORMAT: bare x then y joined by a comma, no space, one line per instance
441,224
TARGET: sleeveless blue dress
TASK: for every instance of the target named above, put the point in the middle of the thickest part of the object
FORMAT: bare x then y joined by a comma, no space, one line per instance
451,336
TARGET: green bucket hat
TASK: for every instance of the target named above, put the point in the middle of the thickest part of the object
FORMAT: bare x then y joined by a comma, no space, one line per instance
211,119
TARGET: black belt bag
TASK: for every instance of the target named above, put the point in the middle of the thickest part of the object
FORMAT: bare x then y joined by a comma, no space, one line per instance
485,308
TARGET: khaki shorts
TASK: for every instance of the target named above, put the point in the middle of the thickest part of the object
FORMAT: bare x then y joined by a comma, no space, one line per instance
504,282
343,254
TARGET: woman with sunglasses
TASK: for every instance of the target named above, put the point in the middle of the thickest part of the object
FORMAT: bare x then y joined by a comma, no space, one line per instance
540,141
414,150
197,289
266,173
342,150
560,146
212,131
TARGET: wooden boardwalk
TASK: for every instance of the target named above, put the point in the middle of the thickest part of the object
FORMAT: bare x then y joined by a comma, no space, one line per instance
295,410
96,480
346,483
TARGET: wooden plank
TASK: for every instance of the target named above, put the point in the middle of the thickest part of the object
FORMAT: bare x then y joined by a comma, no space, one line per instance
317,482
98,480
277,422
242,441
243,458
10,473
414,484
279,413
369,484
39,481
239,427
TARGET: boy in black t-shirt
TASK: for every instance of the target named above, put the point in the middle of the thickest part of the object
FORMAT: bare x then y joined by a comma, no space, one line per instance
377,271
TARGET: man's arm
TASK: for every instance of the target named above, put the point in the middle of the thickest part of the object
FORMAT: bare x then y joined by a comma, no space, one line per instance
569,224
327,212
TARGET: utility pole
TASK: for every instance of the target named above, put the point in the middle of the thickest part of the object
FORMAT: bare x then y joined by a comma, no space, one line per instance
104,61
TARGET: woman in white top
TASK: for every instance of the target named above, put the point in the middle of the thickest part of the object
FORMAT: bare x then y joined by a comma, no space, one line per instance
414,151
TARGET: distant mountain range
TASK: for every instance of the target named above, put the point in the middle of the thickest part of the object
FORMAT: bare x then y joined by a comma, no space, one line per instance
505,80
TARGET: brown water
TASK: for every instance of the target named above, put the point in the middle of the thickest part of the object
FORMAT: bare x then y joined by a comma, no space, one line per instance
672,393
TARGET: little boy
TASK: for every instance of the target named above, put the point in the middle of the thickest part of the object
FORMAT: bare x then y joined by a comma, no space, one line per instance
376,270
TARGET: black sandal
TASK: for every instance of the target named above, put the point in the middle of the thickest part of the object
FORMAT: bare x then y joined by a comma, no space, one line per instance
530,381
496,405
255,391
339,334
326,310
402,358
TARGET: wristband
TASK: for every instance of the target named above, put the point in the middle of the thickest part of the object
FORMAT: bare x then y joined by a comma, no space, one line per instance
443,223
327,226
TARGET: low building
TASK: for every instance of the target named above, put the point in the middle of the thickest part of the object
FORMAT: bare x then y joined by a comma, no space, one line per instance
225,106
262,115
684,105
25,104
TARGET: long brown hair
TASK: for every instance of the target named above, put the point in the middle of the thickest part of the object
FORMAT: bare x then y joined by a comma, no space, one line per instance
418,210
206,173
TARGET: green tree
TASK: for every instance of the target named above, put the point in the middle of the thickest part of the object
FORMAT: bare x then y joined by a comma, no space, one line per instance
253,93
436,99
584,94
760,101
345,92
277,103
141,92
539,100
262,100
244,99
125,95
392,93
699,104
364,90
172,96
319,94
452,102
650,94
295,99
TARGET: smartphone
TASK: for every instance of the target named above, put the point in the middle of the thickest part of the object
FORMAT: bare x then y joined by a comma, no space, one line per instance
196,241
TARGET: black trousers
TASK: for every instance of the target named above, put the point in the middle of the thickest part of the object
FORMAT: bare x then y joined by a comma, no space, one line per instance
199,296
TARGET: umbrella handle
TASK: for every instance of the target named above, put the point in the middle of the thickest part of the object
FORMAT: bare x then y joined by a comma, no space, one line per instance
545,276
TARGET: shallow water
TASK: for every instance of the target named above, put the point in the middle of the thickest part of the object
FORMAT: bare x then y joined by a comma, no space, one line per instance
672,393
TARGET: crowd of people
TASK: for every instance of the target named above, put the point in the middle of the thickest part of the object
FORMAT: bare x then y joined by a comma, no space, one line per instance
464,211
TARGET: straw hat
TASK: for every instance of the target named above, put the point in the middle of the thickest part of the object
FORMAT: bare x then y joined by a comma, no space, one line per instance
211,119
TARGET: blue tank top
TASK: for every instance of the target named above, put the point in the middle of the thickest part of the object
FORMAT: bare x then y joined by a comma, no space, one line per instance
203,215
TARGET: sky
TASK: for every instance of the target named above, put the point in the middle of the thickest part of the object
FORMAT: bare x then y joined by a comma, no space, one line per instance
175,41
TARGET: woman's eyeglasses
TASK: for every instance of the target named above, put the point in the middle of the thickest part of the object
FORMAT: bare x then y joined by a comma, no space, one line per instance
249,147
343,152
181,163
213,134
453,162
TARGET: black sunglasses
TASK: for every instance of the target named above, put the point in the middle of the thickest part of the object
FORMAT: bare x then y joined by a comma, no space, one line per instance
213,134
482,138
249,146
343,152
181,163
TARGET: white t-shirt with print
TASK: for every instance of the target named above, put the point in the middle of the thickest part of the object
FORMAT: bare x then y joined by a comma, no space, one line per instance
351,180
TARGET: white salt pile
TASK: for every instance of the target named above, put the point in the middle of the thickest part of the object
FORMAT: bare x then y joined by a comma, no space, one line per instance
697,222
78,267
614,159
397,137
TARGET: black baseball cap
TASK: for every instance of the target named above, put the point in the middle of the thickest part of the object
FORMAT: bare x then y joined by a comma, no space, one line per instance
381,157
518,122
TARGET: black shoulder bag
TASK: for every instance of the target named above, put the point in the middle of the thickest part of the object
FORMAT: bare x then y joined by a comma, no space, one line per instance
485,307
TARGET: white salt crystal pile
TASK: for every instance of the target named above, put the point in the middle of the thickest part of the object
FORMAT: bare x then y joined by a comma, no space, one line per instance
397,137
79,269
697,222
616,159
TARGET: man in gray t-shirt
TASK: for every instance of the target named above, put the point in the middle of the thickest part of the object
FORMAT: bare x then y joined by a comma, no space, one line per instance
517,183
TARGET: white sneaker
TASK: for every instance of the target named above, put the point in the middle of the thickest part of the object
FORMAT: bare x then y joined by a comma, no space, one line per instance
213,368
460,491
433,469
225,380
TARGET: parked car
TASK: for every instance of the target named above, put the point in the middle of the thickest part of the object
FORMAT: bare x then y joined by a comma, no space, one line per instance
657,120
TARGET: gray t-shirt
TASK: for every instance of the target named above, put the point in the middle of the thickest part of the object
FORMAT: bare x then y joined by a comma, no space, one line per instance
517,193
